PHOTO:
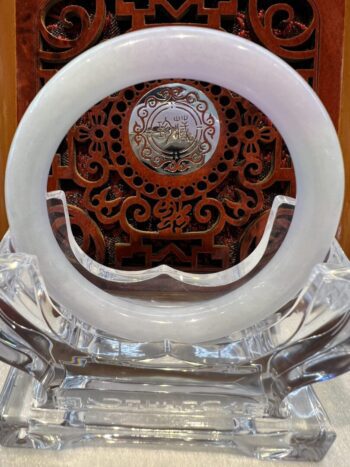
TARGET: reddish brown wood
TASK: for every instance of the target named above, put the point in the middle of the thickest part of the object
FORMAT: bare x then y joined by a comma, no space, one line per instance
27,53
8,116
206,220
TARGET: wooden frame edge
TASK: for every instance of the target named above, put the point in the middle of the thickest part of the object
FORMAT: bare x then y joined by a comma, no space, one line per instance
8,98
344,134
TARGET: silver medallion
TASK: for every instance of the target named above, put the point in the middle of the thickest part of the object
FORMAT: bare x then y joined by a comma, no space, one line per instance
174,129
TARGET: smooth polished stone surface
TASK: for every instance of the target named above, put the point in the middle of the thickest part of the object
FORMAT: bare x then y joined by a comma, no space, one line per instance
252,72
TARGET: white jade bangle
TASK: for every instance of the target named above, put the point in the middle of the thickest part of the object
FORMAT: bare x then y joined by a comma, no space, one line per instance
199,54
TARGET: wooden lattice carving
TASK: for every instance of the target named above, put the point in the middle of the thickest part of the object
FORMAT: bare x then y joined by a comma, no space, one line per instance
124,213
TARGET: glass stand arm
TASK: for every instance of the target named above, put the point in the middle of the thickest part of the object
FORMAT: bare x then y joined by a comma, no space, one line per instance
320,357
25,349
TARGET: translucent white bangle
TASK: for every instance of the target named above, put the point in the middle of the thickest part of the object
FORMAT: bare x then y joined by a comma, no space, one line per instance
199,54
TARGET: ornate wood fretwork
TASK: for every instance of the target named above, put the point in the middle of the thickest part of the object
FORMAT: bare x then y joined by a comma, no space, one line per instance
123,213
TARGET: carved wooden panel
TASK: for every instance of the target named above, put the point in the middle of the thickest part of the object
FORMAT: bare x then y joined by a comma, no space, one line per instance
132,209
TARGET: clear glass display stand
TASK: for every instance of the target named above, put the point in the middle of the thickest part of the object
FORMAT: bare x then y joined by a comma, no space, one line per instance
249,392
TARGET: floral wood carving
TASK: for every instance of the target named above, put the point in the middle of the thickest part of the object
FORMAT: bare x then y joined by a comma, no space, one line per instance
125,214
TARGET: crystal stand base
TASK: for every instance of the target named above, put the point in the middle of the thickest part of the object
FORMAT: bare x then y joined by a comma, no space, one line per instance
248,392
212,414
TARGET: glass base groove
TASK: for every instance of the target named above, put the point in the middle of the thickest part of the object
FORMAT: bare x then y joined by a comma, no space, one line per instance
211,414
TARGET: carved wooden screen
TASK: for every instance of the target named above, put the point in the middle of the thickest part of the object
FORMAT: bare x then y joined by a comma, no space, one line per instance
129,214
